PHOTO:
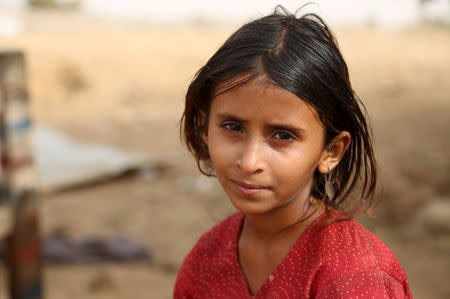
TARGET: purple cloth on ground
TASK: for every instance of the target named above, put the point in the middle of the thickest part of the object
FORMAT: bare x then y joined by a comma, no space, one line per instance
61,249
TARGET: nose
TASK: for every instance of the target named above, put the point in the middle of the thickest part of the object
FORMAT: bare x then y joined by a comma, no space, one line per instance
251,158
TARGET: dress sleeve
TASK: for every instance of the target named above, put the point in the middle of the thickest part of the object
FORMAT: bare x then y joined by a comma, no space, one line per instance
365,284
183,283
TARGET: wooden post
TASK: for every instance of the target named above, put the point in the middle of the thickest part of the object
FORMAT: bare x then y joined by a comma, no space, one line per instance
23,257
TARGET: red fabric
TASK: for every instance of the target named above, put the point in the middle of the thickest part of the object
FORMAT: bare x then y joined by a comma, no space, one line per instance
340,260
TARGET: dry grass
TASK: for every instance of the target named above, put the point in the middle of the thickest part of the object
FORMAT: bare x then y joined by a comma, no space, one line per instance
124,85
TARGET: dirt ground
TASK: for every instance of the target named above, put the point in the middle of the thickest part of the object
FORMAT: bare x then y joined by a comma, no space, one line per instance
123,85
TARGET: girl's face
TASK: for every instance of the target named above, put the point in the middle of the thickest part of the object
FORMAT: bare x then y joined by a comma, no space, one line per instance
265,144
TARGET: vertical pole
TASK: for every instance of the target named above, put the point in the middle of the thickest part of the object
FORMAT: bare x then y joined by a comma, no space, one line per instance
17,181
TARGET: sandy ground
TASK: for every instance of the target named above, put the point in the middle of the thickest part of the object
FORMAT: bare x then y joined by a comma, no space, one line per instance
124,86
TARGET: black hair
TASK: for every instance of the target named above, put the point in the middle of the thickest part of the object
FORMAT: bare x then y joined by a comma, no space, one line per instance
300,55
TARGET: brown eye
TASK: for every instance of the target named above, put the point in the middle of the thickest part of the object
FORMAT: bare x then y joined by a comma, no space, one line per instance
283,136
232,127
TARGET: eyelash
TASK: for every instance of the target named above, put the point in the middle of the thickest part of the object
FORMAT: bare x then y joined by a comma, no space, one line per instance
237,128
290,137
228,125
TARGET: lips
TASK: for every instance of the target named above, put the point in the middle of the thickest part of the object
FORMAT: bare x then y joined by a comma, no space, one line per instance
247,188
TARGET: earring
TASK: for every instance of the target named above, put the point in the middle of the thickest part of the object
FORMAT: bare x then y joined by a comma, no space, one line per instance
329,190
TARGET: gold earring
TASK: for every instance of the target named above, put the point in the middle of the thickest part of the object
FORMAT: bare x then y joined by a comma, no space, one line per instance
329,190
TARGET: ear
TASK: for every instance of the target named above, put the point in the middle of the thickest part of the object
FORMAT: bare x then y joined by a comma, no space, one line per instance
333,153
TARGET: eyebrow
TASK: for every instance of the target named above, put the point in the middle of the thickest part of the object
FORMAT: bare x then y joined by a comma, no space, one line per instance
282,127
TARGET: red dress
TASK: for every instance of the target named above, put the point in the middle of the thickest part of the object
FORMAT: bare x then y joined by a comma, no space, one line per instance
339,260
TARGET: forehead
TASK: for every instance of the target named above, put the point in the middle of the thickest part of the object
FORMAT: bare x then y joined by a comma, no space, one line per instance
260,100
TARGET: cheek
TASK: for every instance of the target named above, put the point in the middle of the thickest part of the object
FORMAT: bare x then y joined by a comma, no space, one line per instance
220,151
297,164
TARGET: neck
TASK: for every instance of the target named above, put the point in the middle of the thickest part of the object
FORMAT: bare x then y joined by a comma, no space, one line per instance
266,228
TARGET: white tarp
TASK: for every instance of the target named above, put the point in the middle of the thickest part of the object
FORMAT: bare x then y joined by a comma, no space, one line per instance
63,163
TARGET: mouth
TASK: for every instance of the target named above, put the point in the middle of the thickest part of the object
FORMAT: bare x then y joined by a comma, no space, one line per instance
247,188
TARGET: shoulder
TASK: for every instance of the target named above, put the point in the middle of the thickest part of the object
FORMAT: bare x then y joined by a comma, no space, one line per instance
217,238
350,245
210,255
350,255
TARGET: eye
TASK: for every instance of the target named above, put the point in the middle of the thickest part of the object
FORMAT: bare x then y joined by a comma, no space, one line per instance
232,127
283,136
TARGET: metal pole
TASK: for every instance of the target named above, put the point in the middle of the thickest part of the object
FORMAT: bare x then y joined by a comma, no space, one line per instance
23,257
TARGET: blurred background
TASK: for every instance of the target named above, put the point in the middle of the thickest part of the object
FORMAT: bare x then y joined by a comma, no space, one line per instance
110,78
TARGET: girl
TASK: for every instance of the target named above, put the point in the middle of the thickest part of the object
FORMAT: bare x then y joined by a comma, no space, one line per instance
273,116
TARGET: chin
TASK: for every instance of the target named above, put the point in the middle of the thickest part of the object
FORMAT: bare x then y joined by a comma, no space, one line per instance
251,207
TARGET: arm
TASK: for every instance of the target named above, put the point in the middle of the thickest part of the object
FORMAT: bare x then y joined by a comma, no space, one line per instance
181,290
365,284
183,282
